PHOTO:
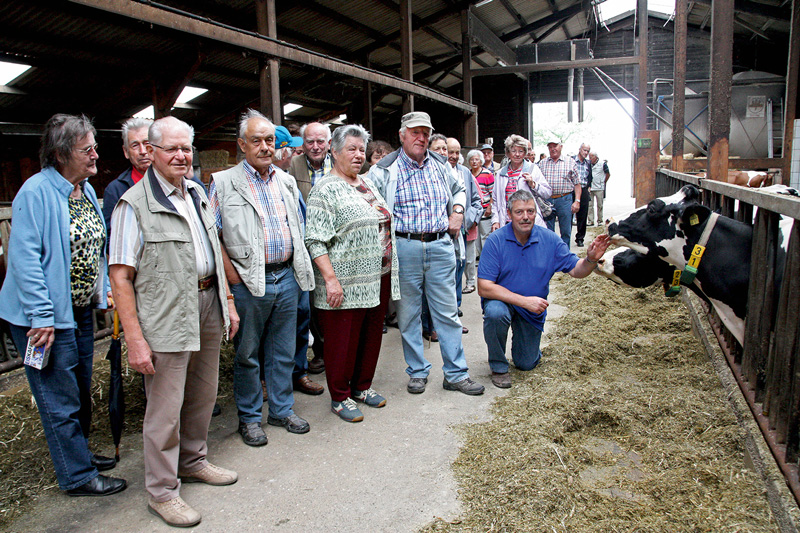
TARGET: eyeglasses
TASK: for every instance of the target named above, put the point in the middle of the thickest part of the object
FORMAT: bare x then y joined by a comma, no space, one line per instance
87,151
518,152
172,150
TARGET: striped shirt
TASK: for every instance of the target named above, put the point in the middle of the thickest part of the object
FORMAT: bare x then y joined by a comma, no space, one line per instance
561,174
271,210
584,171
420,204
127,240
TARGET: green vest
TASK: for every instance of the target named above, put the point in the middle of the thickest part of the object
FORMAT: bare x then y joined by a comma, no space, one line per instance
166,280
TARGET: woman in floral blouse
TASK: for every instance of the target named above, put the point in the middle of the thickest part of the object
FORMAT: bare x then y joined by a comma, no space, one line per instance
349,236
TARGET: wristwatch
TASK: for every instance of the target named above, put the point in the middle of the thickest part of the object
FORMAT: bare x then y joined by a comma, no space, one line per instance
458,209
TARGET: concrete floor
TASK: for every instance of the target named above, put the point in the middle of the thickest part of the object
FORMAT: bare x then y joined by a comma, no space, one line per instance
389,473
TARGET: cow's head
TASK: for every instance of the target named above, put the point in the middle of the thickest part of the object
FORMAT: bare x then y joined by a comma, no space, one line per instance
660,228
627,267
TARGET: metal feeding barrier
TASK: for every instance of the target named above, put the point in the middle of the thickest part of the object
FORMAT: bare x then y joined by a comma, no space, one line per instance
767,365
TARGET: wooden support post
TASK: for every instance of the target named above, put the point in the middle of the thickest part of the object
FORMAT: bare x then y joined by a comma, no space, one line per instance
792,73
641,11
679,85
470,129
406,51
645,166
269,77
719,100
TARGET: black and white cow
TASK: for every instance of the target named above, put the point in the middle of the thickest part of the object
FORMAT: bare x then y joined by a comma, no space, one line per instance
627,267
668,228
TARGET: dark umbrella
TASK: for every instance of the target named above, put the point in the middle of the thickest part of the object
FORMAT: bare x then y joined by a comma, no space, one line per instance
116,392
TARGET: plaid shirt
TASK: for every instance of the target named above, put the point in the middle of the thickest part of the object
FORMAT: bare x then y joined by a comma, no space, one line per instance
324,170
584,169
561,174
271,210
420,204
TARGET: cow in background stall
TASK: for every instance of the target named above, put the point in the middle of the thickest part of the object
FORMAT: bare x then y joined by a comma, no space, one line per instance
749,178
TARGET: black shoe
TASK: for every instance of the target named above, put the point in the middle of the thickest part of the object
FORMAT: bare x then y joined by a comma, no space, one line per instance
252,434
316,365
460,314
102,463
385,329
416,385
99,486
217,410
292,423
579,244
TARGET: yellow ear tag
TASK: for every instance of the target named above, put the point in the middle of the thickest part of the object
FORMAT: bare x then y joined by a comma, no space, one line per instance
694,220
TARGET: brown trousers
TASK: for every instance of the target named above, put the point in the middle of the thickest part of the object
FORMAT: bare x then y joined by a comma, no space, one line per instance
180,398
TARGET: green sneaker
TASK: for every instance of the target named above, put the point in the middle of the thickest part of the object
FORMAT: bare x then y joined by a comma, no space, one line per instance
347,410
369,397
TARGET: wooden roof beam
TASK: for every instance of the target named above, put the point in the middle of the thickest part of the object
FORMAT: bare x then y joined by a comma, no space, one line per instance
272,47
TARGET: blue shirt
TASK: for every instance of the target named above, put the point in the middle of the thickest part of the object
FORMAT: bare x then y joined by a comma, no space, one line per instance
525,269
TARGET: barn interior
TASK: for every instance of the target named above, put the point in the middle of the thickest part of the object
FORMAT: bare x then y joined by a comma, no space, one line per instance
475,66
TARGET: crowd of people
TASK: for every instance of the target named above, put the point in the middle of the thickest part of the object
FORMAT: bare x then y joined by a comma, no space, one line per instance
316,239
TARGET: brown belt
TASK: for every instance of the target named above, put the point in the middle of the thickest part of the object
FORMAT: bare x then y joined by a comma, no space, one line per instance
554,196
206,283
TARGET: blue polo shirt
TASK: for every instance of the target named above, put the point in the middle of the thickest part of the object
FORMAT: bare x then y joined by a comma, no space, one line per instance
525,269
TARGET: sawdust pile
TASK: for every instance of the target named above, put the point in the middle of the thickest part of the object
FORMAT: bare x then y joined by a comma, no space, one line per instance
25,466
623,427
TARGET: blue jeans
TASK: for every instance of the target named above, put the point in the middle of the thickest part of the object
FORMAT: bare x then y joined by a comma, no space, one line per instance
268,326
497,317
562,208
303,323
429,266
63,395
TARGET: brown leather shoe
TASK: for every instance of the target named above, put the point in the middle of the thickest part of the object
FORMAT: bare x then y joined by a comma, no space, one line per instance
306,386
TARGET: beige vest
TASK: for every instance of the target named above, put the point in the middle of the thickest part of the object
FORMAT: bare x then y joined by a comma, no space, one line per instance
166,281
243,231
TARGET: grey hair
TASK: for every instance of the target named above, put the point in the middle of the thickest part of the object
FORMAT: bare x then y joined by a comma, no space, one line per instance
520,196
60,134
594,154
326,126
133,124
281,153
246,117
156,131
341,134
475,153
437,137
515,140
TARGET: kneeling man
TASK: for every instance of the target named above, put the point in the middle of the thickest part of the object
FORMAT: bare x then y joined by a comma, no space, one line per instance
514,274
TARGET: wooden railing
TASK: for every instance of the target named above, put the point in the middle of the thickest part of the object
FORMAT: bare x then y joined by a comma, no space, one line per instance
767,365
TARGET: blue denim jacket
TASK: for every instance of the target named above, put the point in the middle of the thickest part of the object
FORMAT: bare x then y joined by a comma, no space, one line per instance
36,292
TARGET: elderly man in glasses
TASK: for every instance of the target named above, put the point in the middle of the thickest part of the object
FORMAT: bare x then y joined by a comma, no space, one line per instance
168,281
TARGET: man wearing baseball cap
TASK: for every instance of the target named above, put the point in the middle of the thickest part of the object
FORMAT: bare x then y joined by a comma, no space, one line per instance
562,175
427,204
488,159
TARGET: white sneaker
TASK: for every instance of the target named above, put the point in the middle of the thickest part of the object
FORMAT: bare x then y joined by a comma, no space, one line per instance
174,512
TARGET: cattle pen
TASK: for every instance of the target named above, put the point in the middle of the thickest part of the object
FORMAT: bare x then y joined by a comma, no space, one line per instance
767,364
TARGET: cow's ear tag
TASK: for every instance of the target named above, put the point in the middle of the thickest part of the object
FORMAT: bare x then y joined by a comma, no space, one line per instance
694,220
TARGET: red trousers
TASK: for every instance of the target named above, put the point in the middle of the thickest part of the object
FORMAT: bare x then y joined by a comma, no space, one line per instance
352,344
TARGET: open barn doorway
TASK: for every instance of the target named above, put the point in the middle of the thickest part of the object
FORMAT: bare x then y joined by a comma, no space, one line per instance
609,132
